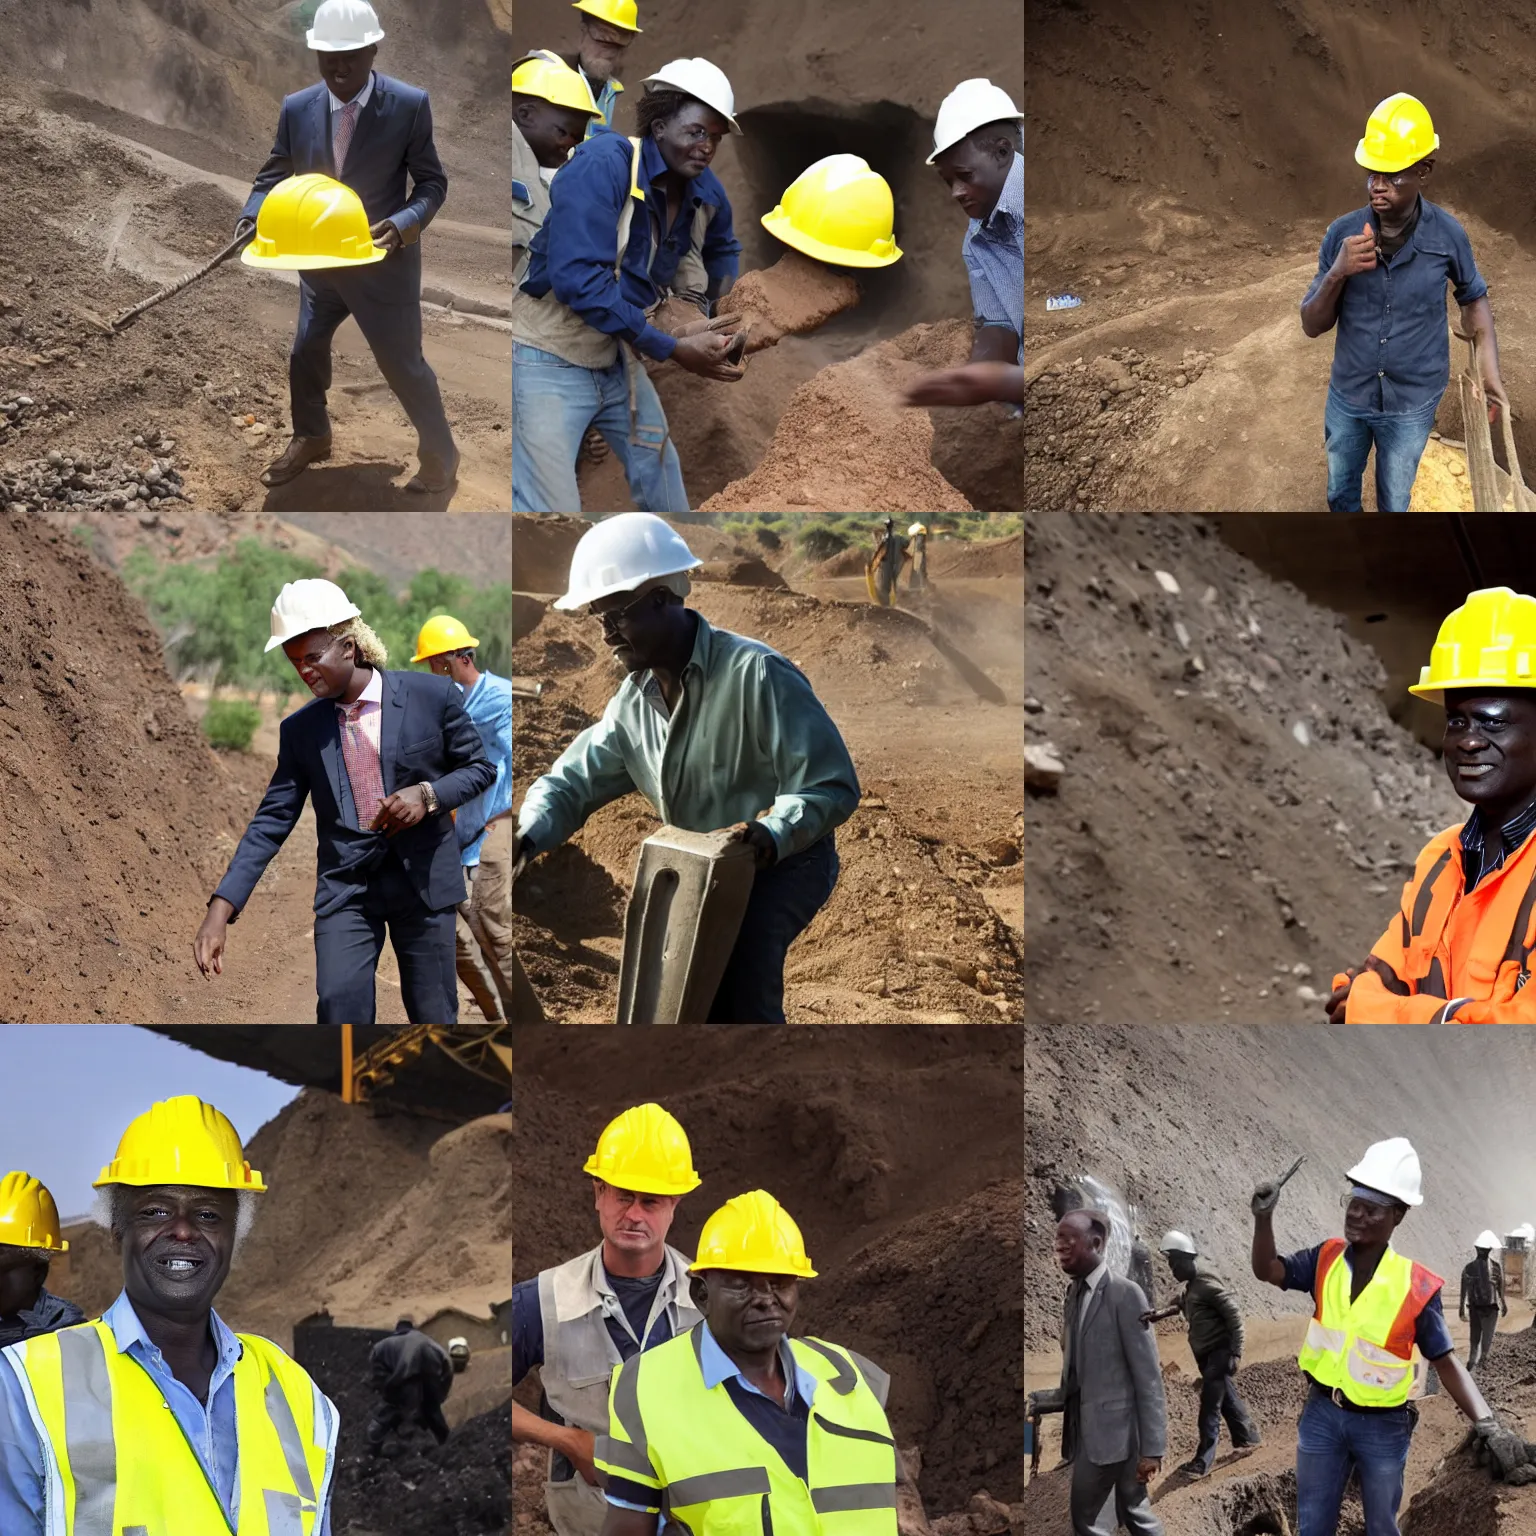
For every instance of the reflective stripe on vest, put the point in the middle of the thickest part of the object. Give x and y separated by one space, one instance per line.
661 1414
88 1402
1365 1347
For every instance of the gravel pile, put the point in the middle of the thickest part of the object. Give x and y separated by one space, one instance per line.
140 474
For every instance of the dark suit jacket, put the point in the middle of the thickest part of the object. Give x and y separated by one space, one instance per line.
393 136
424 734
1118 1411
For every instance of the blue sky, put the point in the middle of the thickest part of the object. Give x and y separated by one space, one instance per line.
68 1091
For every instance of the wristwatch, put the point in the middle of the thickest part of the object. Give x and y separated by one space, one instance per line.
428 791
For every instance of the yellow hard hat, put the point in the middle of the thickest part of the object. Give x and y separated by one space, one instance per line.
1489 642
617 13
28 1216
546 74
754 1233
309 222
840 211
1397 134
645 1150
181 1141
443 633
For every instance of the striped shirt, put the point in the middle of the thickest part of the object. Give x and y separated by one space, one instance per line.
994 258
1475 859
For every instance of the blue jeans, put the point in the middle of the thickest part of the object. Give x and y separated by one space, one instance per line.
784 899
1329 1441
1347 437
553 404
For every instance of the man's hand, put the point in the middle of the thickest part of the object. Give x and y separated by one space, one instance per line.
1509 1458
765 852
1334 1007
1265 1197
705 355
1148 1318
385 235
1148 1468
1493 389
974 384
208 946
402 809
1357 254
579 1450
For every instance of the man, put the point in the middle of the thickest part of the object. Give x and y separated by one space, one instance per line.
412 1375
29 1238
1373 1310
483 826
918 581
710 727
1114 1429
601 264
1381 276
978 149
552 106
884 566
737 1407
385 756
1482 1288
370 132
156 1417
579 1320
1216 1342
1459 949
608 27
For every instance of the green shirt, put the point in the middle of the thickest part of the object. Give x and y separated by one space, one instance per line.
748 735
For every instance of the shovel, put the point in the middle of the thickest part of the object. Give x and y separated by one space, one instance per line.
128 316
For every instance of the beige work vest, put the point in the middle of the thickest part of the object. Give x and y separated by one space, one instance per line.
554 327
579 1357
526 217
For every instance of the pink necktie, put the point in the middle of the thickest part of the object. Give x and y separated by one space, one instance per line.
342 139
362 761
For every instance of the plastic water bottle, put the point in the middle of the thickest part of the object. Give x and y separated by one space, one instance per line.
1063 301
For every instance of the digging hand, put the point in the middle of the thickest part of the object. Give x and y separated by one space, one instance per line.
522 856
728 324
208 946
400 810
765 852
385 235
705 355
580 1447
1357 254
1334 1007
1503 1452
973 384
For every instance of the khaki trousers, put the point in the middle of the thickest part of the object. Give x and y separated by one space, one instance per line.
483 928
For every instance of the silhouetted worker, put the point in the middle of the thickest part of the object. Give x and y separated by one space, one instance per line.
1482 1289
884 566
1216 1342
29 1238
413 1375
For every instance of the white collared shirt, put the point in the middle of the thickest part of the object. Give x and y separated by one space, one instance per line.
361 98
1090 1285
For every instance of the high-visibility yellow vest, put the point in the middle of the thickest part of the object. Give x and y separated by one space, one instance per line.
716 1475
1364 1348
116 1462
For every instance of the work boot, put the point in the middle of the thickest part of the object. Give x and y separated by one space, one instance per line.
1195 1470
433 476
300 453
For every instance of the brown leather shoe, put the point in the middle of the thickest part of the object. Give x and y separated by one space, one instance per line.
434 476
300 453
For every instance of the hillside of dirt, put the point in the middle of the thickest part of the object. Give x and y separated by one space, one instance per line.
1184 381
1238 810
924 923
809 82
899 1161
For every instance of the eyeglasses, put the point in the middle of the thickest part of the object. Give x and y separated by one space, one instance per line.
1400 180
617 616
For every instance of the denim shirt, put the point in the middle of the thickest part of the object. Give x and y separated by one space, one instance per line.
1392 351
489 705
210 1431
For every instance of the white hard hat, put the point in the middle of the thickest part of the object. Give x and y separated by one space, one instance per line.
342 25
309 604
700 78
621 553
916 528
459 1346
1486 1239
971 105
1177 1242
1392 1166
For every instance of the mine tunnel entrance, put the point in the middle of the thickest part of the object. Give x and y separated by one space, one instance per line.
781 140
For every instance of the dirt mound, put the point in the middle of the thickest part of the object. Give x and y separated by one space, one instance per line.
1463 1500
96 876
1229 736
750 572
984 558
795 294
847 444
904 1215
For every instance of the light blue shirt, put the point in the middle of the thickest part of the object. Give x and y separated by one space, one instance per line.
994 257
210 1431
748 732
799 1384
489 705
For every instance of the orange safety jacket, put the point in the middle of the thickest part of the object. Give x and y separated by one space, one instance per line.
1466 954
